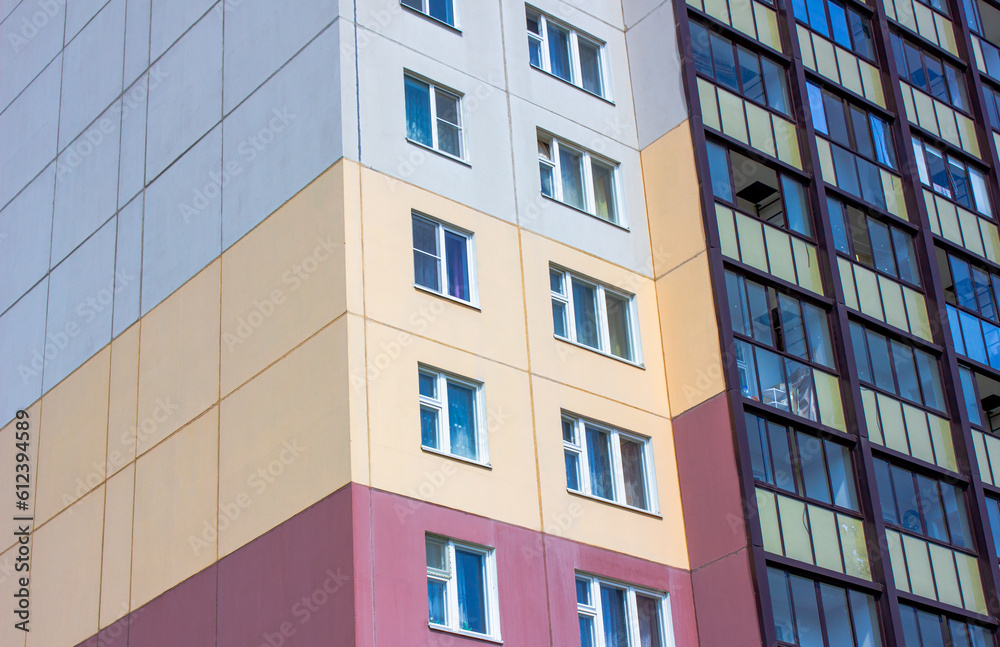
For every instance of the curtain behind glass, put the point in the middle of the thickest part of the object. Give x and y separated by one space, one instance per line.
649 621
590 68
618 329
559 55
571 166
461 416
604 192
635 479
585 313
418 111
471 591
457 262
599 450
615 623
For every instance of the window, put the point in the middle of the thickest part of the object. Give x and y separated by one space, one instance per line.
578 178
442 259
969 286
619 615
752 75
801 464
897 368
433 116
607 463
871 243
564 52
461 587
853 128
838 22
778 320
993 514
931 74
451 412
922 506
813 614
992 106
758 190
923 629
592 315
981 397
442 10
952 178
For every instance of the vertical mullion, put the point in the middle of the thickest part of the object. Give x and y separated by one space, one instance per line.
439 234
574 65
453 618
617 469
444 442
602 320
543 26
584 457
434 122
557 166
571 307
589 201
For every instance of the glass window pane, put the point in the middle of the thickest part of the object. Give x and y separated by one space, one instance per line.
861 353
571 167
962 282
775 85
437 554
599 453
836 211
883 479
462 418
583 591
573 471
441 9
817 108
979 193
428 385
878 351
801 391
930 629
725 63
811 460
836 120
807 624
426 263
938 172
604 191
838 459
471 580
614 616
935 78
585 314
781 605
969 396
861 34
817 16
449 138
556 282
534 51
649 621
456 249
862 136
796 209
865 620
418 111
718 166
906 257
429 428
818 332
436 605
954 510
838 23
906 500
586 631
760 455
993 512
911 633
569 431
702 52
958 182
885 152
634 470
590 67
930 380
981 285
792 327
559 323
784 477
881 247
906 372
738 316
750 77
414 4
760 313
930 504
747 370
559 55
838 619
774 391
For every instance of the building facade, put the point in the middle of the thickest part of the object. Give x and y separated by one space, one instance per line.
429 322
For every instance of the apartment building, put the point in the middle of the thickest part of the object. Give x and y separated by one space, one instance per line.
429 322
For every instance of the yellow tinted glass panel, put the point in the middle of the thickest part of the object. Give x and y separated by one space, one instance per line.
892 303
718 9
768 513
828 399
868 296
759 121
823 525
871 416
981 457
916 313
918 433
847 282
949 220
733 121
872 80
852 538
709 105
786 141
991 240
826 61
944 575
908 101
727 231
807 266
751 242
742 14
944 449
893 430
925 111
919 565
850 74
767 26
969 223
805 45
793 529
897 559
970 583
779 253
993 451
946 34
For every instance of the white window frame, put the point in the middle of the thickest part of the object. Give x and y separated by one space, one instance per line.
450 579
603 330
617 468
440 404
424 10
595 611
434 88
575 37
587 159
470 253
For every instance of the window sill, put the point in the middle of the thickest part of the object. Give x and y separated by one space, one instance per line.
465 634
426 16
579 210
443 154
438 452
622 506
456 300
638 365
572 85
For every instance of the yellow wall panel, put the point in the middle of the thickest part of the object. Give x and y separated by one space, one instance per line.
179 358
122 400
72 443
284 280
8 462
116 566
283 439
169 539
